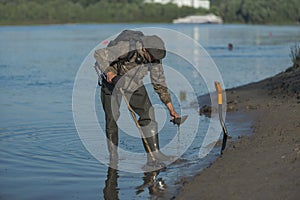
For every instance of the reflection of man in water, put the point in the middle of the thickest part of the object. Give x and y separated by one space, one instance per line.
155 186
124 63
111 191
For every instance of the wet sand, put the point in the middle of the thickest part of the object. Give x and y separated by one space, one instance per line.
266 164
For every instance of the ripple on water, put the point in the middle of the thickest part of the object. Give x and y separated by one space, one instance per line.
37 158
38 146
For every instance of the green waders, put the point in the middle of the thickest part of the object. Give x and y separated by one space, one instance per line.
142 106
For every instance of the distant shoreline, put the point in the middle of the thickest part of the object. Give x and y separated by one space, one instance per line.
140 23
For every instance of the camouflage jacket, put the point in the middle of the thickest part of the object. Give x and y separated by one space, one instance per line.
112 59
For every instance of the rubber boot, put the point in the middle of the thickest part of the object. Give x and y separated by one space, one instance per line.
156 154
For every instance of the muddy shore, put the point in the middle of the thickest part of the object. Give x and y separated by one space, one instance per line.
265 165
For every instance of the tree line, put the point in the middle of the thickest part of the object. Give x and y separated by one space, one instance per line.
89 11
135 11
258 11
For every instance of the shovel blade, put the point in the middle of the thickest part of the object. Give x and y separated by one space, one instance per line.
179 120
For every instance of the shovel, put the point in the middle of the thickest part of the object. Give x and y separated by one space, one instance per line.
225 132
179 120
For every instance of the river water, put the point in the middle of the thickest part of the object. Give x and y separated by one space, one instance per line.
41 154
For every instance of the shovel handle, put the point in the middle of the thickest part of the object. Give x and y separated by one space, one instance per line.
219 90
137 124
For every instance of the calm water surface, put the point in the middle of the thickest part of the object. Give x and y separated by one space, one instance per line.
41 155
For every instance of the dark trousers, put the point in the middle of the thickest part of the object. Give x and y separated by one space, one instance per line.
140 103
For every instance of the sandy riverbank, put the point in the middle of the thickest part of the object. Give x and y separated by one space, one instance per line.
265 165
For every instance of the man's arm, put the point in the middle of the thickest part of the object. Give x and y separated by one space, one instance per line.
158 80
172 111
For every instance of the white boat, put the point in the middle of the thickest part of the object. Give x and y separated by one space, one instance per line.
199 19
